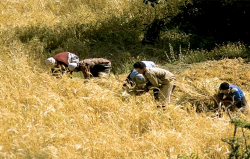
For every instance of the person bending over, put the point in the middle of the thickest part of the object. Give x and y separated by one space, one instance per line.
59 63
231 94
136 81
158 78
93 67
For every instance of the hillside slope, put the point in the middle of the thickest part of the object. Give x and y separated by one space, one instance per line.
45 117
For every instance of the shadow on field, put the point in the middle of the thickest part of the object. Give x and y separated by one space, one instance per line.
116 40
166 39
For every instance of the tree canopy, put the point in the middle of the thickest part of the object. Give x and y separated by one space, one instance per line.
211 22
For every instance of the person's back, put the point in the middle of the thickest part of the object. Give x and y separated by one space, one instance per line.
62 58
157 78
236 91
96 67
149 64
62 62
96 61
159 75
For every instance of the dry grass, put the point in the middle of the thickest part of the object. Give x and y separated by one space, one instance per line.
45 117
53 12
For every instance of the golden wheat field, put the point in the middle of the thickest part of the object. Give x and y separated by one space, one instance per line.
46 117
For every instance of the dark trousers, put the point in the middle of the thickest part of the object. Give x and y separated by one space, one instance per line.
242 103
97 69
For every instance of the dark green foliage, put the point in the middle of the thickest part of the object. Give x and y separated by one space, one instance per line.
202 25
214 22
153 31
235 145
239 147
171 38
240 123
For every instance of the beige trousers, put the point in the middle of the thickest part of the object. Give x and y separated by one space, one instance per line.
165 93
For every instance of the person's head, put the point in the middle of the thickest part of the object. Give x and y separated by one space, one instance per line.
72 66
51 62
224 87
140 67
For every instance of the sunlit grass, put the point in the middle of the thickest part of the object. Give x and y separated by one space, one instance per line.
42 116
49 13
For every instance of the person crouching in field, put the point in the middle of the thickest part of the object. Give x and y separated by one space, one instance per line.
158 78
60 62
135 82
231 94
93 67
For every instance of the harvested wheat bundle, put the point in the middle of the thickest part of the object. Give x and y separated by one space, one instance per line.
198 86
200 94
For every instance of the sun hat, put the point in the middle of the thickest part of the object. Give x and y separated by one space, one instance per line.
50 61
